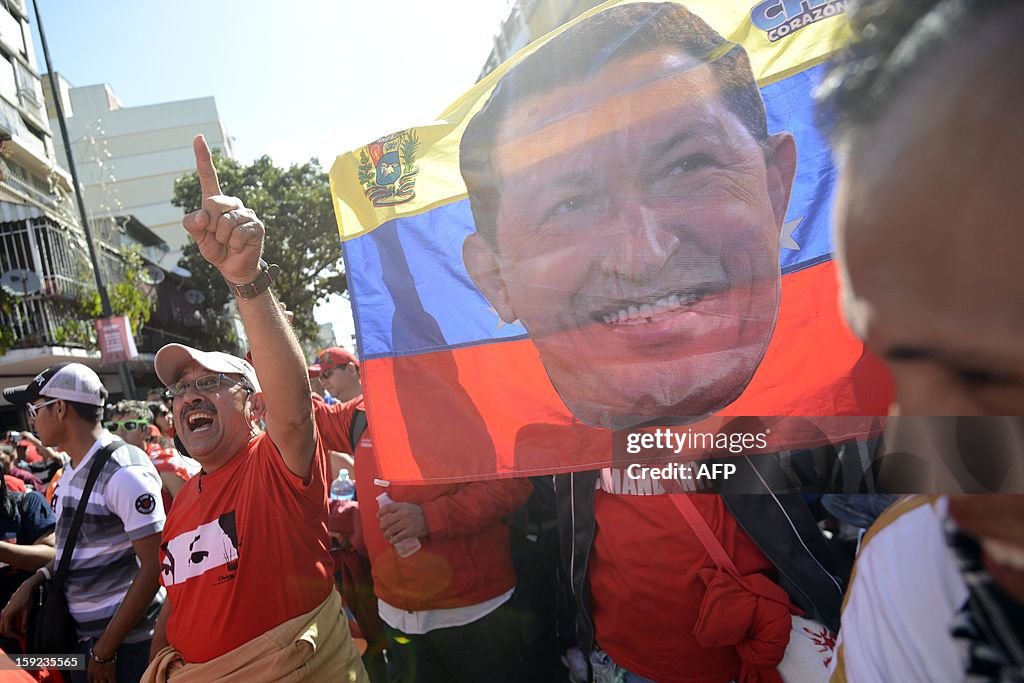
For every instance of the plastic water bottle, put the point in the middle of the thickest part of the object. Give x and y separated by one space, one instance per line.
343 488
408 546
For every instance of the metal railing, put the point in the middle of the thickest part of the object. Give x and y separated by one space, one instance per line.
20 185
50 313
52 310
43 321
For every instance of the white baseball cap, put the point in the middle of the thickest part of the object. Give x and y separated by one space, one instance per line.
66 381
172 358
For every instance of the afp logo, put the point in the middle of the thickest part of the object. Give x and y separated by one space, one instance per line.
781 18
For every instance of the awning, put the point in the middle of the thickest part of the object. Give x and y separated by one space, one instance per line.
10 211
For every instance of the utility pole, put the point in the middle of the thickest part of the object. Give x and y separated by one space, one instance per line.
128 386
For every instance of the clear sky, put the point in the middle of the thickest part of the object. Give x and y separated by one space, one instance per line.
293 79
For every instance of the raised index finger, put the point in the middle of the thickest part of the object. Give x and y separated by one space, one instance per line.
208 183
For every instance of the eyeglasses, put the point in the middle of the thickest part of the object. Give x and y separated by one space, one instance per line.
34 408
206 383
127 425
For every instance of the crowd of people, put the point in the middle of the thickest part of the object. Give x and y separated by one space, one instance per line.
211 546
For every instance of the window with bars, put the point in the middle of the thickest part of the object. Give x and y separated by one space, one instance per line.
56 254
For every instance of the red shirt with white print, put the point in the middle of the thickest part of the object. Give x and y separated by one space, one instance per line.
245 549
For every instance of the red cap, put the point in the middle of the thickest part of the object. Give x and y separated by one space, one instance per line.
336 357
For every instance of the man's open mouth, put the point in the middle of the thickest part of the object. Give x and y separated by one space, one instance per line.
198 419
639 313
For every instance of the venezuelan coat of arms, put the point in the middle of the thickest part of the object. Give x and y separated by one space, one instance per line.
387 169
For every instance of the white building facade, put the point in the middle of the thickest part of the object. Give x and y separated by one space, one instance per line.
44 264
128 158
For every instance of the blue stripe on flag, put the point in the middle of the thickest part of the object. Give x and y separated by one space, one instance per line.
790 107
412 293
419 297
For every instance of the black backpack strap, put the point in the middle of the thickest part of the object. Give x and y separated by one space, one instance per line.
356 428
100 459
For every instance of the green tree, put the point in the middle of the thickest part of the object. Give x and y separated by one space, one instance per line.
127 295
302 237
7 337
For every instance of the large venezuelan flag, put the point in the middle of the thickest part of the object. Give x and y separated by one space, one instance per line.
457 391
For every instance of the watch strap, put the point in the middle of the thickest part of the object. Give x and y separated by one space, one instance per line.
260 284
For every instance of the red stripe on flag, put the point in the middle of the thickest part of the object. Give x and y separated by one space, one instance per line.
814 365
489 411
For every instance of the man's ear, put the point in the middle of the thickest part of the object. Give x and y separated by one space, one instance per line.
484 267
780 161
258 405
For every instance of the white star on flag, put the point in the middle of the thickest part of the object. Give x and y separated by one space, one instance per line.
786 241
501 323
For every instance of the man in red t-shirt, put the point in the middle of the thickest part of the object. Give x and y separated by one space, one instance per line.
446 608
245 552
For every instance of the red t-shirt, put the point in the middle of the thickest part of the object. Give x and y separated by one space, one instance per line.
644 584
466 558
244 550
32 454
27 477
334 421
14 484
170 461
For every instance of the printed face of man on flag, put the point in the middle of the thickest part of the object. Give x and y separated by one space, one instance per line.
629 214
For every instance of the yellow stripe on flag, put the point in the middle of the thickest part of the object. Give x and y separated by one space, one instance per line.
416 170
